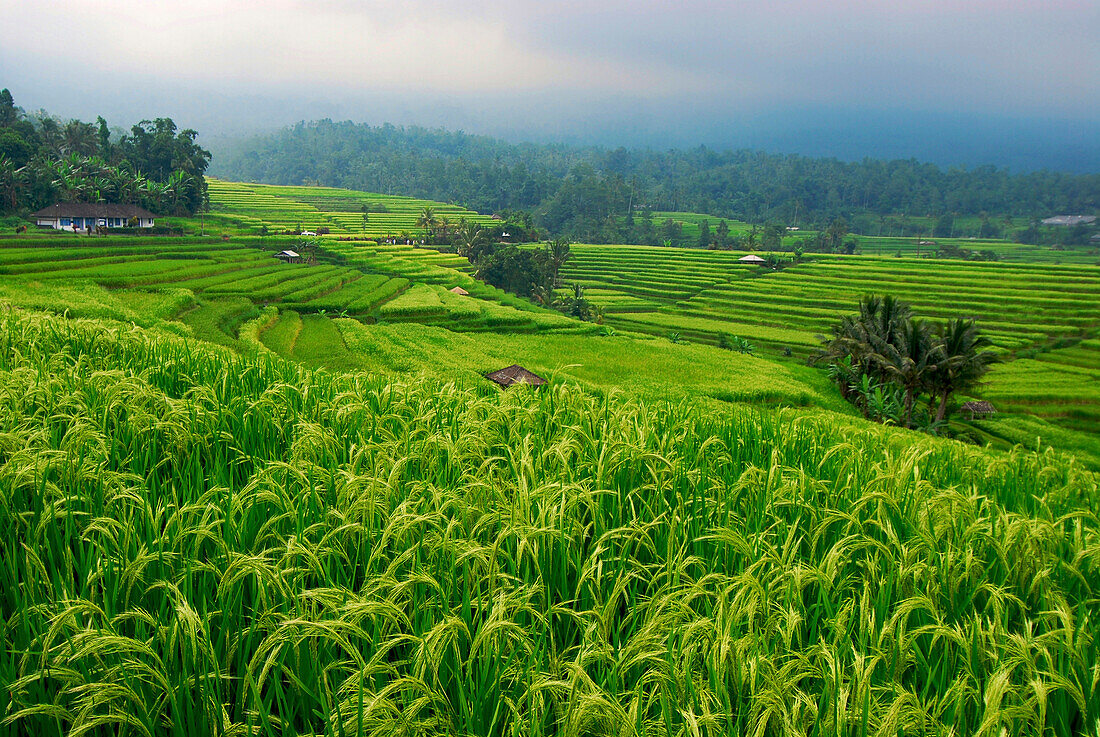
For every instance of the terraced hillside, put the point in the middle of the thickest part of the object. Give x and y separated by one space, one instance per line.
1045 316
230 279
255 206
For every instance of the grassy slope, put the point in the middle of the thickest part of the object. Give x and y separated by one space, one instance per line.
196 541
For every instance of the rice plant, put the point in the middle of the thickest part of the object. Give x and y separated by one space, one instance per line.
197 542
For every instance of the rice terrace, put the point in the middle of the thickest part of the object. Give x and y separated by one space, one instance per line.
811 466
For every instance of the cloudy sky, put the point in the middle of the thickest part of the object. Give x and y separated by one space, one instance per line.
647 71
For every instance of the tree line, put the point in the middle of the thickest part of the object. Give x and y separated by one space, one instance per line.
44 160
586 193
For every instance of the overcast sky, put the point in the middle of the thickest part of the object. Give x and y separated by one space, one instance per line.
590 66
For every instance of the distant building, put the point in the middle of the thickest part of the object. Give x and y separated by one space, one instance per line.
459 291
90 216
752 258
290 257
1070 220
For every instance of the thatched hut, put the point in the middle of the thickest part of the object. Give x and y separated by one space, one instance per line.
515 374
459 291
979 409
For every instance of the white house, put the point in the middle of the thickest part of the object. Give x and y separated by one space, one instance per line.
90 216
1070 220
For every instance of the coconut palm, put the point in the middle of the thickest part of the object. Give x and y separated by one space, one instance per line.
472 239
427 220
963 361
11 183
910 360
557 253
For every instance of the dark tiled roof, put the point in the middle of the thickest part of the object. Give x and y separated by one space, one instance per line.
515 374
93 210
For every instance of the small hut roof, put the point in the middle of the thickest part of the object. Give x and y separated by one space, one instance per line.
515 374
979 406
752 258
288 254
459 290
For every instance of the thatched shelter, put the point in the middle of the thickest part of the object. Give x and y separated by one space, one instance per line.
515 374
979 409
752 258
459 291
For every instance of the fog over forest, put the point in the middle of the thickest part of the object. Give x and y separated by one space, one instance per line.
1013 85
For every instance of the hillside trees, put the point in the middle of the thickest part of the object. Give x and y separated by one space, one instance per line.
884 349
586 192
43 161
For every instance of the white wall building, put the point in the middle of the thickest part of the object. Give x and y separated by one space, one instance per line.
87 217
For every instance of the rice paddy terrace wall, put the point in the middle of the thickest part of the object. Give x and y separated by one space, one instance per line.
356 279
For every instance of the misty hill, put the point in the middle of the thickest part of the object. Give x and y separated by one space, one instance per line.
579 190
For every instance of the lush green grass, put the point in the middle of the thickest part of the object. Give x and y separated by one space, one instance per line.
654 368
194 542
253 207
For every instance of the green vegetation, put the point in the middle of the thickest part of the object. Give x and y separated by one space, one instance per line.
261 209
1045 313
591 195
197 542
242 496
43 161
884 359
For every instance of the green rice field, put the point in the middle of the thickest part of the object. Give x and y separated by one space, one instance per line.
200 542
246 497
358 278
1047 314
252 207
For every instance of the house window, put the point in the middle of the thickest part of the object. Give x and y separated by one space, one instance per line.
66 221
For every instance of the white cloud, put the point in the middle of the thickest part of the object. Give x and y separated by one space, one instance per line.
942 54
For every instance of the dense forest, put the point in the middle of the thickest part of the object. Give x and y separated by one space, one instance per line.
44 160
586 192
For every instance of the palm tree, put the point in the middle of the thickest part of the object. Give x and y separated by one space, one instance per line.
557 253
963 362
11 182
910 360
427 220
472 239
869 335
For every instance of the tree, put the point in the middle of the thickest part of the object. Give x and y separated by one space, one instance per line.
103 136
773 236
11 182
427 220
963 361
909 359
722 234
834 234
557 253
472 241
704 235
8 112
